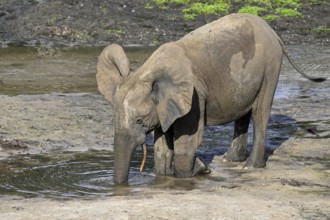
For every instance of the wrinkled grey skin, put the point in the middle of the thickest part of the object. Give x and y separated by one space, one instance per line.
224 71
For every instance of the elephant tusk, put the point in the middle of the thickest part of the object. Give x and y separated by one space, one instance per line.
144 146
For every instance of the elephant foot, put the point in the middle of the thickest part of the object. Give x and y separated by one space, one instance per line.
236 154
200 167
250 163
187 166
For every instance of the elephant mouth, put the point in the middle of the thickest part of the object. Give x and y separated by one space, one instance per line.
144 148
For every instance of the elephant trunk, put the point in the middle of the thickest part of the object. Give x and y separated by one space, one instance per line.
123 150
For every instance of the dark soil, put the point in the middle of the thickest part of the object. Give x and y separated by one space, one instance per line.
129 22
12 144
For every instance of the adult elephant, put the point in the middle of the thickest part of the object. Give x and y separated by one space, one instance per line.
224 71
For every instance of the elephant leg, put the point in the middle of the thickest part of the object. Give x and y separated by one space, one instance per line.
183 164
163 148
237 151
185 146
256 158
260 114
186 164
188 135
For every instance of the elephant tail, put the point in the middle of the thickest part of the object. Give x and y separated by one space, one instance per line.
287 55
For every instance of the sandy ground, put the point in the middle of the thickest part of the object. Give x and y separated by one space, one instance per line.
75 122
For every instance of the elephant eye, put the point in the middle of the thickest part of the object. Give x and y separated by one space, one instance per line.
155 87
139 121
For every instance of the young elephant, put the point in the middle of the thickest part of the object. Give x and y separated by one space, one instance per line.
224 71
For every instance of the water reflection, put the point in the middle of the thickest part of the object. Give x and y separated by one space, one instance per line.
68 175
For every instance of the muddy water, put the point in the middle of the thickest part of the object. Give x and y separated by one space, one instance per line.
49 70
29 74
67 174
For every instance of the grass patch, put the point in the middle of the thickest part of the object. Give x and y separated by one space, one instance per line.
148 6
203 9
290 3
254 10
270 10
322 29
266 3
287 12
184 2
270 18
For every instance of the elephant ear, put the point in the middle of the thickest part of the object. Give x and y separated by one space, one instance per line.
170 78
112 66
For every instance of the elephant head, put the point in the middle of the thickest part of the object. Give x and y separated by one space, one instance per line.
156 94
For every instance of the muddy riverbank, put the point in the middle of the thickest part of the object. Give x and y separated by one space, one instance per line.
41 116
97 23
291 187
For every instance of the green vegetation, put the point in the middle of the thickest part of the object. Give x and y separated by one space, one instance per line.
258 2
202 8
116 31
255 10
285 3
270 10
287 12
318 1
173 1
322 30
271 18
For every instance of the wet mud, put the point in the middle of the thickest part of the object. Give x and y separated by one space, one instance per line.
56 135
131 22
